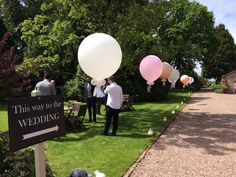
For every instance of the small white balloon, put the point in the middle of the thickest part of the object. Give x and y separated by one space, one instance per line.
174 76
99 56
101 83
98 83
93 82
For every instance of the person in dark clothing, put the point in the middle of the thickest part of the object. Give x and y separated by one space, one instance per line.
79 172
57 88
90 99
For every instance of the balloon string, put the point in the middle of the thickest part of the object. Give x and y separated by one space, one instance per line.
164 83
172 85
149 87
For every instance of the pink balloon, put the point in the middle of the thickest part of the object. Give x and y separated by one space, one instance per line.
191 80
167 70
151 68
185 79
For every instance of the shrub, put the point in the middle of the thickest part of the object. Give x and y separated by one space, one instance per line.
218 88
20 163
158 91
72 90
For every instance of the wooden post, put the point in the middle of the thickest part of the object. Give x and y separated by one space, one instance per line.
39 156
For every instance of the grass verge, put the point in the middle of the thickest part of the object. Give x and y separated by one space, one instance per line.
110 155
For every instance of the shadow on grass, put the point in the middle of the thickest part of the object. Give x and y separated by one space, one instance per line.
3 107
133 124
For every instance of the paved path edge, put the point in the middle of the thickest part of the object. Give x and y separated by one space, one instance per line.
144 153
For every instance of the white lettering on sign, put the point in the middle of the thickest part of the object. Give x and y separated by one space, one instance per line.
20 109
41 132
38 108
38 120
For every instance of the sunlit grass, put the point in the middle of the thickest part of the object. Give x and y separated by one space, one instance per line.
110 155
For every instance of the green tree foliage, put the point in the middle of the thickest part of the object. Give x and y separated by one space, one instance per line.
185 33
53 37
14 12
224 59
178 31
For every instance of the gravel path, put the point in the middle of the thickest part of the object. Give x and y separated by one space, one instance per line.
200 142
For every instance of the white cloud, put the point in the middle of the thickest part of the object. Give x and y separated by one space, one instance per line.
224 11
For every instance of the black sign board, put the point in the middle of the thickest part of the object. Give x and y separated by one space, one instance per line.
34 119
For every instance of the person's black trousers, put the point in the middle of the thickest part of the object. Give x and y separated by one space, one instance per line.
91 102
110 112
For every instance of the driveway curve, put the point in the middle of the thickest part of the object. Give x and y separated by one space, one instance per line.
201 142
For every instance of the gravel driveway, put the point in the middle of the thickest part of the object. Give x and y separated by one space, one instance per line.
200 142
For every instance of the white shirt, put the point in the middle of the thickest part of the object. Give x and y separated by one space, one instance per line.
98 92
115 96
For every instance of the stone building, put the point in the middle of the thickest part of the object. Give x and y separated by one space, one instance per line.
230 78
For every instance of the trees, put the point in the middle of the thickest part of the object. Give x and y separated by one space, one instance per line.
53 37
224 58
185 33
178 31
11 82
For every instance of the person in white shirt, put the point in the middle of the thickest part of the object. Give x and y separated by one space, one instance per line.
45 87
114 102
99 95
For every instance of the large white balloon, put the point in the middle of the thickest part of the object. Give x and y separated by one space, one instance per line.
99 56
174 76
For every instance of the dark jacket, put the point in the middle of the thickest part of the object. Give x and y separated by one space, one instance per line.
86 93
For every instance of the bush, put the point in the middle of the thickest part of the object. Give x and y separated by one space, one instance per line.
20 163
158 91
218 88
72 90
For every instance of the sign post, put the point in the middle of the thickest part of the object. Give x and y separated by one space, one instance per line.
33 120
39 156
39 159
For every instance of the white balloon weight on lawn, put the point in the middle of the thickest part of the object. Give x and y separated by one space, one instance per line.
99 56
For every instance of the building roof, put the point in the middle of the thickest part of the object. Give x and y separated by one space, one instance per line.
234 71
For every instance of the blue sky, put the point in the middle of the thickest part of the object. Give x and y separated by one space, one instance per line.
224 11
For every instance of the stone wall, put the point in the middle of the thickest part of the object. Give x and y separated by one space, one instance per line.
230 77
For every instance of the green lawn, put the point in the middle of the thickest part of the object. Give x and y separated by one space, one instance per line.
3 118
108 154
